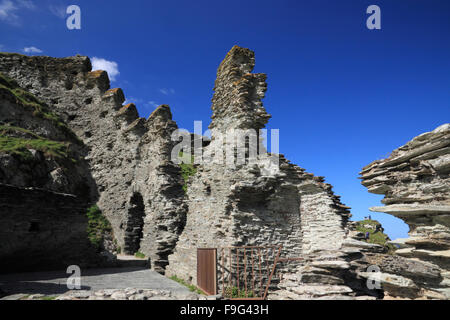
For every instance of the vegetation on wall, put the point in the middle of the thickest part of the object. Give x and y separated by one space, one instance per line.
21 146
187 169
28 100
139 255
98 226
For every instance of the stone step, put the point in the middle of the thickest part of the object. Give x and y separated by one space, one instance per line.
124 261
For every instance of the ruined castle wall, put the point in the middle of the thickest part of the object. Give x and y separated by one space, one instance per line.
324 217
123 150
251 204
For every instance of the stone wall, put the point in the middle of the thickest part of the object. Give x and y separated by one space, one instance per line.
35 236
127 156
416 184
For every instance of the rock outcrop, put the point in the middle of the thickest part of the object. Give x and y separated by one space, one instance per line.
133 181
416 184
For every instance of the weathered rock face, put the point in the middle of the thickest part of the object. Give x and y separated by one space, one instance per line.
37 148
416 184
44 187
249 204
134 183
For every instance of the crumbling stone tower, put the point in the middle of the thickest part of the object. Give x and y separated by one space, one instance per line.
249 204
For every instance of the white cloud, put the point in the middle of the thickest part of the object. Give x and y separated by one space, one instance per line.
59 11
109 66
28 4
167 91
153 104
141 103
32 50
134 100
9 9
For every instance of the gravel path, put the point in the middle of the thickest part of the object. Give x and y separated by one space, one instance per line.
54 283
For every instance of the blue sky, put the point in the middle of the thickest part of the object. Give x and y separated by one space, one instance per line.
341 95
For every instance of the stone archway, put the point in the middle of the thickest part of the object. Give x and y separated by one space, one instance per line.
135 224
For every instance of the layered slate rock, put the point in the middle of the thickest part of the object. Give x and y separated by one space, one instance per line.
134 183
250 204
416 184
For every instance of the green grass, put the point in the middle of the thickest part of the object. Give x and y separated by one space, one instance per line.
7 81
48 298
377 237
187 169
191 287
8 129
234 292
139 255
11 54
28 100
98 225
20 147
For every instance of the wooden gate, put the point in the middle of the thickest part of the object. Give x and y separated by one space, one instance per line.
207 270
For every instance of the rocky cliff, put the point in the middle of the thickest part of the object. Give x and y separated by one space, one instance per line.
132 180
416 184
44 187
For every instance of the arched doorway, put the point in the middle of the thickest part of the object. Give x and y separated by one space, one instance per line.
135 224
